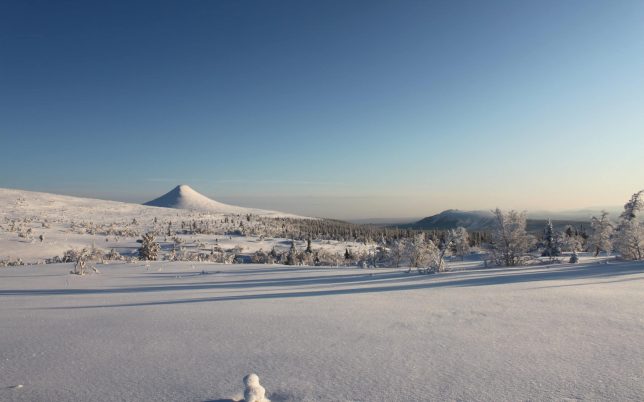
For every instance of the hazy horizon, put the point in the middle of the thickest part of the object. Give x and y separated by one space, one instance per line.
349 110
363 209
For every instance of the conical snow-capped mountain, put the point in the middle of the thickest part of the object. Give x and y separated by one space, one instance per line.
184 197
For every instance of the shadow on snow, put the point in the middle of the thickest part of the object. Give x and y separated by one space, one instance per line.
364 283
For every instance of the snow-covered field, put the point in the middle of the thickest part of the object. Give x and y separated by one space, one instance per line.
170 331
74 223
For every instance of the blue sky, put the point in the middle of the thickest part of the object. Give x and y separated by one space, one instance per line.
347 109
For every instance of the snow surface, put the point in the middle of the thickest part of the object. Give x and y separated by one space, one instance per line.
191 331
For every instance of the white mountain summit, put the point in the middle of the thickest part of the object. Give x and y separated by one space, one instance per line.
184 197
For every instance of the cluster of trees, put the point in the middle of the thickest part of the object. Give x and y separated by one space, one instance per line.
423 251
511 243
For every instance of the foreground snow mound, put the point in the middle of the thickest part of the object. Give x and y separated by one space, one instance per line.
254 392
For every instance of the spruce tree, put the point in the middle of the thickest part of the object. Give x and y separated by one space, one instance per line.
149 248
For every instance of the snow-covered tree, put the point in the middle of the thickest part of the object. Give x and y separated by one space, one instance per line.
509 239
425 255
572 241
398 252
149 249
630 234
551 241
460 242
417 251
601 232
573 257
292 254
434 257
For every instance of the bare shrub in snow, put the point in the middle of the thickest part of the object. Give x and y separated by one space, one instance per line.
253 391
25 233
82 258
330 259
509 239
113 255
12 263
260 257
70 255
81 262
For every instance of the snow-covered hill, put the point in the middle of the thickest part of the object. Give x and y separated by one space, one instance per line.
184 197
453 218
484 221
66 222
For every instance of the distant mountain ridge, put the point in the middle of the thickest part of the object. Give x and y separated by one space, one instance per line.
484 220
453 218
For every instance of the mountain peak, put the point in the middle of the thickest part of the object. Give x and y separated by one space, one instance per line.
185 197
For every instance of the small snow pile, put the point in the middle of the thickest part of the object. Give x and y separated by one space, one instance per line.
254 392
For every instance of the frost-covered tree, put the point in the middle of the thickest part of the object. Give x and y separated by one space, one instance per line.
601 233
292 254
630 234
509 240
398 252
435 257
424 255
551 241
572 241
417 251
573 257
460 242
149 249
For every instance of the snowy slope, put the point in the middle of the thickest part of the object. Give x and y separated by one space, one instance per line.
73 222
190 332
184 197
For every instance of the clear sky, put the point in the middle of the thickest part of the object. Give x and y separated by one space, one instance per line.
347 109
